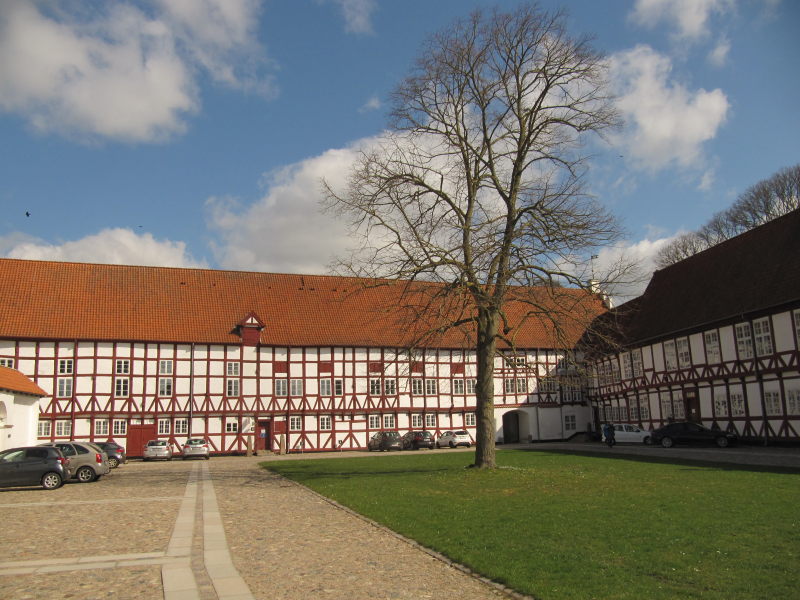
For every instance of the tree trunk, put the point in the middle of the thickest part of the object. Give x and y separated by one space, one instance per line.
487 341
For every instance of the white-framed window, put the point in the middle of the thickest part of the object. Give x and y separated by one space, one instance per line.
634 410
522 385
678 408
471 385
390 387
430 420
375 387
163 427
325 423
165 386
120 427
64 387
744 340
713 355
792 401
123 367
295 423
623 413
296 387
508 385
625 359
548 386
416 421
684 352
101 427
458 387
374 421
44 428
796 315
66 366
431 387
122 387
325 387
636 362
63 428
181 426
232 369
570 423
737 404
338 387
388 422
165 367
721 403
469 419
666 405
231 387
416 386
615 413
281 387
670 357
763 334
571 392
231 427
644 409
7 362
772 403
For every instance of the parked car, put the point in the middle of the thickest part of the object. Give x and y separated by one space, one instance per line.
115 453
418 439
34 465
196 448
155 449
692 433
454 438
385 440
630 434
88 461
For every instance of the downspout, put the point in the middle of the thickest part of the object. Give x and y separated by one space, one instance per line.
191 387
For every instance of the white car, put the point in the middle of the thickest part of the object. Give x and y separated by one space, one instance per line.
157 449
630 434
454 438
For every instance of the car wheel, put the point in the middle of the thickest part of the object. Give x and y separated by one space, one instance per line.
85 475
722 442
437 445
667 442
113 463
51 481
207 457
452 444
647 441
170 458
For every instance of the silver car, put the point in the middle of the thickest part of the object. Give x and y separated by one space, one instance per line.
454 438
156 449
196 448
88 462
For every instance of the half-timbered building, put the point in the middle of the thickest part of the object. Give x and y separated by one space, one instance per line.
264 361
714 338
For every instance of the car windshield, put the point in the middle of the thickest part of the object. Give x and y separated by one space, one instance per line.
195 442
156 443
460 433
392 435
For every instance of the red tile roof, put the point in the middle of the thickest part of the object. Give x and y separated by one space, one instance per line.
58 300
14 381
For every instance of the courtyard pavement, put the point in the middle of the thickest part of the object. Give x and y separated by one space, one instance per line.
226 529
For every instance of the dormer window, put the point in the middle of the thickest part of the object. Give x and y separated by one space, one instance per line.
249 329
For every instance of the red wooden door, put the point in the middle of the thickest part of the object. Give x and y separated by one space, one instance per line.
263 442
138 436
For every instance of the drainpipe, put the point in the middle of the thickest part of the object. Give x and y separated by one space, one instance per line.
191 387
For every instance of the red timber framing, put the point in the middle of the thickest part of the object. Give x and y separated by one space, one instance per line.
328 398
731 391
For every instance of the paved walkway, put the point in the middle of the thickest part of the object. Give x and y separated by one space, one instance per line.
221 529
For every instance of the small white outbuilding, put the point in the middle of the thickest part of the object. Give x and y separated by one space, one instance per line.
19 409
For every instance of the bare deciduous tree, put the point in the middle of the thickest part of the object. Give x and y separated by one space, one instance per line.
759 204
477 185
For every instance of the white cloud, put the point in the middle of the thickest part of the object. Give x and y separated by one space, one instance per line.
688 17
641 253
110 246
666 123
357 15
373 103
116 72
706 181
719 55
284 231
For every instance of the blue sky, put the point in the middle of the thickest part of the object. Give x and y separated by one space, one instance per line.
195 132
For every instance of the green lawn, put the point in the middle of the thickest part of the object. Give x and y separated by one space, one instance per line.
565 526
